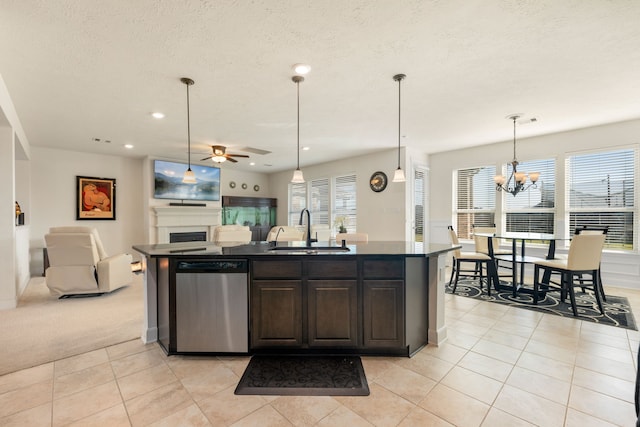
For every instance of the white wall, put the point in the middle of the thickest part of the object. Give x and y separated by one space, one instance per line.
384 216
618 268
53 201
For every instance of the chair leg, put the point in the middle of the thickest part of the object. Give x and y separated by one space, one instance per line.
453 271
600 286
455 283
596 290
568 280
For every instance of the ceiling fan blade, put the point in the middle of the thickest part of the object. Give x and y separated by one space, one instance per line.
206 158
231 160
238 155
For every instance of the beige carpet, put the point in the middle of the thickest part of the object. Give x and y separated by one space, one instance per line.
43 328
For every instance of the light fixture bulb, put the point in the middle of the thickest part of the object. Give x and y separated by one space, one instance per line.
301 69
398 176
298 178
157 115
189 177
218 159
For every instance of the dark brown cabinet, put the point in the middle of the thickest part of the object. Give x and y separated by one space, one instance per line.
276 313
383 317
328 302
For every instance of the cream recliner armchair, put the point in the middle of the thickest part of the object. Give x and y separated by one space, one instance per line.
78 263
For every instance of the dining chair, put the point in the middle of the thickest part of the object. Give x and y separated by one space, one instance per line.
590 229
584 256
501 256
478 259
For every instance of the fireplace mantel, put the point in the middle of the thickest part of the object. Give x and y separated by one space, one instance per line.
177 219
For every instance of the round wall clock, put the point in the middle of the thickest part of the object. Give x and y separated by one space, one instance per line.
378 181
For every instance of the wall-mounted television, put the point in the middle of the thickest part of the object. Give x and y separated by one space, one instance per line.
169 185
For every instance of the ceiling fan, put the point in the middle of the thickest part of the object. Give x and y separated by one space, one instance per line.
220 155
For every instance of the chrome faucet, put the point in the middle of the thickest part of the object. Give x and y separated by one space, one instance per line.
275 241
309 239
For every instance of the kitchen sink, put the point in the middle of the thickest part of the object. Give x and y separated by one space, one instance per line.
309 249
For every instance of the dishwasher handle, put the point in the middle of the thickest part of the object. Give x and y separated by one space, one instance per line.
213 266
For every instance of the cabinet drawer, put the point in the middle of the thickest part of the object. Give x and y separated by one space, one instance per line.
276 268
321 269
383 269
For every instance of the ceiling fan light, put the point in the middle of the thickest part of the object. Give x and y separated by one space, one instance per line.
398 176
298 178
189 177
218 159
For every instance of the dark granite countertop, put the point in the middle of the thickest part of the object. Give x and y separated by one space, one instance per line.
207 249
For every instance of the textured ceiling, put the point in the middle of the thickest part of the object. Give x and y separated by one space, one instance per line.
85 69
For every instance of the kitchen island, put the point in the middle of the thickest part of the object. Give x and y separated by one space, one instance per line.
383 298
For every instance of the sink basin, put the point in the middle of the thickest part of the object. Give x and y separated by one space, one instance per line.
310 249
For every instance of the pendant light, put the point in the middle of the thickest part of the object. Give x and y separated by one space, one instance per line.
398 176
189 176
298 178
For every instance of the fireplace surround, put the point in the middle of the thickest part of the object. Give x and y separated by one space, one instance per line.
185 219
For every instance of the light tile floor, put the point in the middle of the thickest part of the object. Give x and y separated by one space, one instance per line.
501 366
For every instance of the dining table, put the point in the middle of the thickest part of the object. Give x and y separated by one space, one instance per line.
518 258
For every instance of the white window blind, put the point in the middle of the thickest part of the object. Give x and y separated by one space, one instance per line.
475 200
601 190
297 201
419 197
533 210
344 202
319 205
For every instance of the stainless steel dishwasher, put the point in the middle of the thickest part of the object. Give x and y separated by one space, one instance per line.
212 306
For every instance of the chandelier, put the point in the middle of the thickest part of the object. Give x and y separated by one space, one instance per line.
517 181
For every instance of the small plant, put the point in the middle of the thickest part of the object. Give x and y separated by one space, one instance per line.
339 224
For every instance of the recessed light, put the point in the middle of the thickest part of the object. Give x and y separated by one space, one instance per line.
252 163
301 68
158 115
306 148
128 146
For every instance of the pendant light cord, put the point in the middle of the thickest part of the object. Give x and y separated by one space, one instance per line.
298 124
188 129
399 109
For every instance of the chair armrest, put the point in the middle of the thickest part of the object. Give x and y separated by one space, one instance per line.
114 272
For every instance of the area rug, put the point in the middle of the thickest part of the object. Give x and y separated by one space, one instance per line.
617 310
304 376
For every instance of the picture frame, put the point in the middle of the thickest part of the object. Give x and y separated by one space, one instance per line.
95 198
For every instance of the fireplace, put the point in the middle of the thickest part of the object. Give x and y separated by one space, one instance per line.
189 236
184 219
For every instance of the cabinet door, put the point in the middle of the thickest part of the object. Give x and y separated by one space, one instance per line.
276 313
383 315
333 313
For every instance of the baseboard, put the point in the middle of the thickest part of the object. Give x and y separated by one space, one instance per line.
149 335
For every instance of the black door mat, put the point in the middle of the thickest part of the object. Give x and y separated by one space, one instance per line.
304 376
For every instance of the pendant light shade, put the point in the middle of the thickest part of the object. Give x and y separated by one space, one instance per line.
189 177
398 176
298 178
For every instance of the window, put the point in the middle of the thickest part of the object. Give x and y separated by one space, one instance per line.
344 201
320 201
476 199
326 206
600 191
297 201
533 210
